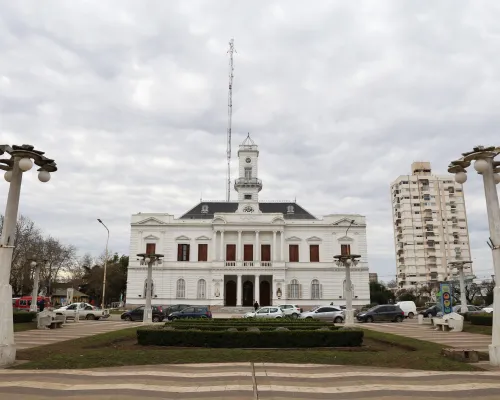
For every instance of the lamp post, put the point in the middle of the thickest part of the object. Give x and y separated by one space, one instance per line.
105 265
149 260
347 261
485 165
21 160
36 280
459 265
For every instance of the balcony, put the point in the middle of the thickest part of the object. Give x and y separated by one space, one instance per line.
248 183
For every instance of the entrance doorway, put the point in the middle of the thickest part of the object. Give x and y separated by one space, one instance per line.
230 294
265 294
248 294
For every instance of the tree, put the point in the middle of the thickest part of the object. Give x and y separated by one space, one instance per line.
472 290
487 291
379 294
406 295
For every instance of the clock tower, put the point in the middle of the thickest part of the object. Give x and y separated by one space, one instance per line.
248 185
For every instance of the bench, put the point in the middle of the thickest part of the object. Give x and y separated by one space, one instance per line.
439 324
449 323
57 322
49 319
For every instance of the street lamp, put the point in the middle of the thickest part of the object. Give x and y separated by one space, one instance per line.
485 165
460 265
105 265
36 279
149 260
346 261
21 160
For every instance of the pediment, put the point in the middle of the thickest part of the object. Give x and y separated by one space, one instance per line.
314 239
218 220
294 239
151 237
150 221
182 237
278 220
203 238
345 239
344 222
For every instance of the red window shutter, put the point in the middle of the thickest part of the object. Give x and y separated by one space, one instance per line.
345 249
202 252
294 252
179 252
150 248
187 251
314 252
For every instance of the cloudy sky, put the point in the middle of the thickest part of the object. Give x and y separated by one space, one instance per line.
130 99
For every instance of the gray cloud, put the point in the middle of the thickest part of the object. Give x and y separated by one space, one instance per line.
131 100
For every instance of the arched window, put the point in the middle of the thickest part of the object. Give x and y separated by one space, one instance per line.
202 289
315 290
294 289
146 288
181 289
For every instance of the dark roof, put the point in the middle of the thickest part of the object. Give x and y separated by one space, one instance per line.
231 207
63 293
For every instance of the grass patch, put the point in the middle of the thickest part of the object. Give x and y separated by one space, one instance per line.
25 326
120 348
481 329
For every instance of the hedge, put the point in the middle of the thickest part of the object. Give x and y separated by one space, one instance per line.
247 320
481 319
243 328
265 339
22 317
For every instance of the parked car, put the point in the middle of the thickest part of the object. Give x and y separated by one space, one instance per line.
328 313
191 312
387 312
85 311
291 310
174 308
408 307
265 312
138 314
430 312
488 309
470 309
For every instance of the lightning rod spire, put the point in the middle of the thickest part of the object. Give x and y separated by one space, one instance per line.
229 117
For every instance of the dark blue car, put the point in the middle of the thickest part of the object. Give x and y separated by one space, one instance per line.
191 312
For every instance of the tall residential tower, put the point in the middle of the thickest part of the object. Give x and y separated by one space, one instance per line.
430 226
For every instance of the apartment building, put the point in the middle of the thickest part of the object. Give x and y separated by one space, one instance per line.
430 226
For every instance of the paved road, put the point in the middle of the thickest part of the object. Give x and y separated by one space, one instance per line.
412 329
70 330
247 381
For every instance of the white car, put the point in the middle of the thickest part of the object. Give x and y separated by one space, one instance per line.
488 309
329 313
265 312
290 310
85 311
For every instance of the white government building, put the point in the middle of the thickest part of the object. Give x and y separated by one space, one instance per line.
229 254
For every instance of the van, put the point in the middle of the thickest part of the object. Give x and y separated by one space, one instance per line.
24 303
408 307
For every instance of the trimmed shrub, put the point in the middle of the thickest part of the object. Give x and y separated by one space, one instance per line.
245 327
242 339
23 317
481 319
247 320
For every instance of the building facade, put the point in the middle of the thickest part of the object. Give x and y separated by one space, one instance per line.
430 226
231 254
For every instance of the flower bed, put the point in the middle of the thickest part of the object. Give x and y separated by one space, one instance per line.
319 337
23 317
481 319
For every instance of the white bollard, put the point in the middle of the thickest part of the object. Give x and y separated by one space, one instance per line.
420 319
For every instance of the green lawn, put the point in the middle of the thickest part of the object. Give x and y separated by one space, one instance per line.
120 348
481 329
25 326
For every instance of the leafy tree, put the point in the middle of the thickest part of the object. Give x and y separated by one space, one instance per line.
406 295
379 294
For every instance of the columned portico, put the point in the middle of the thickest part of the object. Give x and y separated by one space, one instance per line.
257 247
238 292
282 234
257 288
243 290
273 250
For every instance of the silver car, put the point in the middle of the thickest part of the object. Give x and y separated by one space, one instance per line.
328 313
265 312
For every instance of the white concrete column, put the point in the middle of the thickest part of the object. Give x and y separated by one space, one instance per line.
257 247
7 345
493 209
222 253
349 313
463 297
273 250
34 294
238 292
239 249
214 246
257 288
282 233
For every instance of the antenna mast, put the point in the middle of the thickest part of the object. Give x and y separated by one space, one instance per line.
229 117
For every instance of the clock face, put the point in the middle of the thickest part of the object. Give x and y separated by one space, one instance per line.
248 209
248 160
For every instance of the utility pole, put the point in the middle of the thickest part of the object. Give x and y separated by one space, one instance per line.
231 51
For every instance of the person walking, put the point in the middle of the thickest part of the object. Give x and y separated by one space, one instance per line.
256 305
42 304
